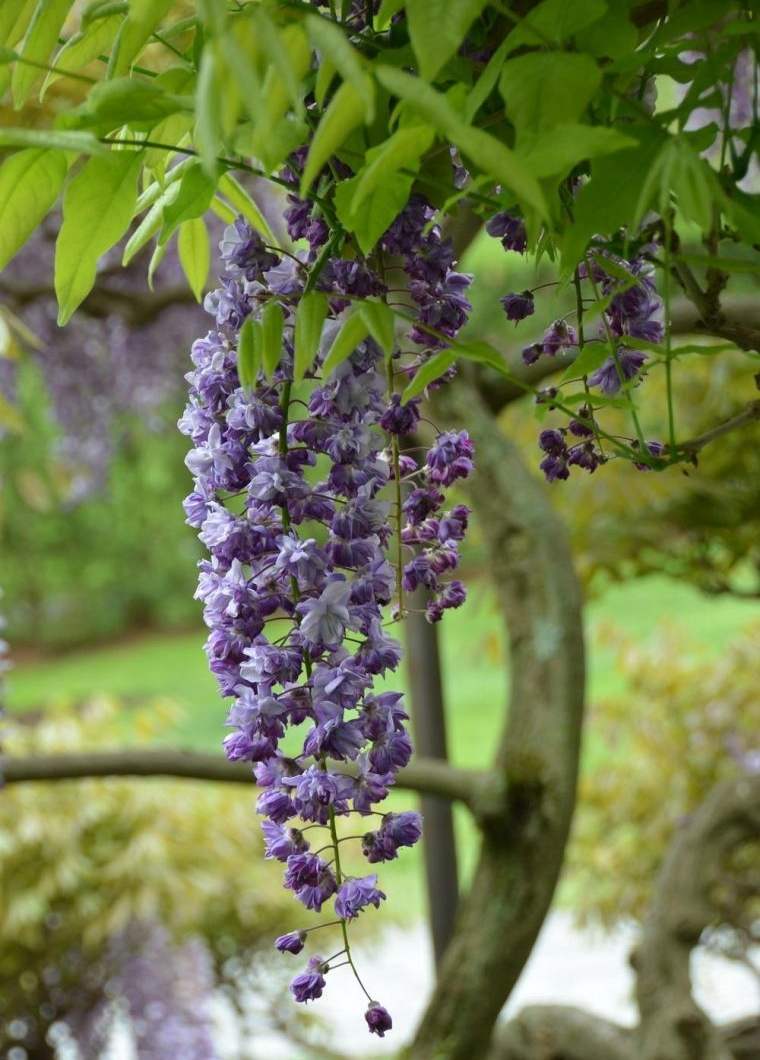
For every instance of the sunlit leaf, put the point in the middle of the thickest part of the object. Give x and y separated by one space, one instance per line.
98 205
194 254
29 185
310 316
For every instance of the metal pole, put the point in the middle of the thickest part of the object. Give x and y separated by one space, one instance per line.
429 723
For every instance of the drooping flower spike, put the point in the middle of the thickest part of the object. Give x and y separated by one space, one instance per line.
316 525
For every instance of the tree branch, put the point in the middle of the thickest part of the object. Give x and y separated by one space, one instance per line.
425 775
523 842
561 1032
672 1024
748 415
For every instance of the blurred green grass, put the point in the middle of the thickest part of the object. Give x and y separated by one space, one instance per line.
475 676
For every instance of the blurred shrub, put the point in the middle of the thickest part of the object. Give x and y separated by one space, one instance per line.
683 724
96 874
120 559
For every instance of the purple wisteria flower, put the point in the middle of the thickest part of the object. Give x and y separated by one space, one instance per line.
378 1019
518 306
295 502
355 895
308 986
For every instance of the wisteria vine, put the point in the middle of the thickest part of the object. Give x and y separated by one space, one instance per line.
319 518
630 319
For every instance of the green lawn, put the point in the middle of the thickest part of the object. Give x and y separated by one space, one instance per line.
475 679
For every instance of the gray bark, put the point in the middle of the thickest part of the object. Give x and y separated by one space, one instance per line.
673 1026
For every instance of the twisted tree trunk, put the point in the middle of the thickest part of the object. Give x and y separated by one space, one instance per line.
672 1027
525 827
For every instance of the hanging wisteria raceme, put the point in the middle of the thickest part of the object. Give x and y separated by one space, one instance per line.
630 316
318 522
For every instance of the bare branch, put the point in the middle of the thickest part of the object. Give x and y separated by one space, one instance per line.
748 415
423 775
561 1032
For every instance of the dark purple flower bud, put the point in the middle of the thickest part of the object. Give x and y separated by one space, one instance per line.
581 428
554 467
518 306
531 353
308 986
276 805
419 572
510 230
355 895
421 503
378 1019
450 457
302 869
398 418
584 456
552 441
293 942
560 336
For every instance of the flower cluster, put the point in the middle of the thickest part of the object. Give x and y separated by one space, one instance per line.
631 309
289 499
438 290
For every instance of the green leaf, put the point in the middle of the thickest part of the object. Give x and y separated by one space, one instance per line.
437 28
15 16
402 150
244 204
555 21
272 324
694 184
158 255
588 360
557 151
333 45
545 89
97 207
208 102
376 212
82 48
29 185
325 76
353 331
192 199
144 16
484 150
127 101
380 323
81 142
310 316
344 113
431 370
388 9
610 198
279 49
482 353
194 254
208 122
275 132
610 36
486 83
39 41
249 353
